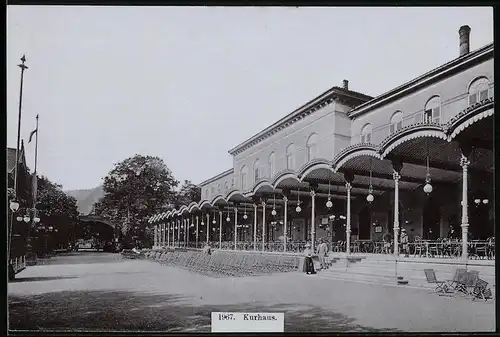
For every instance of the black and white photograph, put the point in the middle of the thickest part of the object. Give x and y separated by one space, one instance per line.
250 169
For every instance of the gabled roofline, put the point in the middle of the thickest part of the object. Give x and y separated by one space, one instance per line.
432 75
220 175
327 95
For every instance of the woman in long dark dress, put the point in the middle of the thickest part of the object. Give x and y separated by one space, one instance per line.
308 261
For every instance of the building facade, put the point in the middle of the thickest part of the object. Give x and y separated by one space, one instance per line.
349 167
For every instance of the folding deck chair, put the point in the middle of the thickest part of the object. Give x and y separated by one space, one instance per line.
441 286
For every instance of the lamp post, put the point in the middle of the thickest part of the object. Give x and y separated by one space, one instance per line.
14 205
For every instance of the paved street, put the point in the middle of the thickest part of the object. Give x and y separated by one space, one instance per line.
93 291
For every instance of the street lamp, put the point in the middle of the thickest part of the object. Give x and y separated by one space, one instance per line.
14 206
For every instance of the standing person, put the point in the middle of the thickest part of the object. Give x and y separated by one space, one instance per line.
322 253
308 261
387 243
404 241
207 249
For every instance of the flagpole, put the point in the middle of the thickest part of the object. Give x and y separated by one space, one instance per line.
36 143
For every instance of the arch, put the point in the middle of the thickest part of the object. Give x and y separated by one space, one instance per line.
478 89
366 134
217 198
169 214
256 170
262 184
354 151
182 208
432 110
311 147
409 133
232 193
96 219
192 206
271 164
290 156
205 203
396 121
243 177
469 116
312 166
285 174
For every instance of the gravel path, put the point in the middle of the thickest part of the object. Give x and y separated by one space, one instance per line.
100 291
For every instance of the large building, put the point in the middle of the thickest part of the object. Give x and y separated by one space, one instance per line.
348 167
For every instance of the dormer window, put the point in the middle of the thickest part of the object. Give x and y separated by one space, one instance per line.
366 134
396 121
478 90
432 111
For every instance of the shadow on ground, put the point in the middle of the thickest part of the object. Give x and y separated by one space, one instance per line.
103 310
34 279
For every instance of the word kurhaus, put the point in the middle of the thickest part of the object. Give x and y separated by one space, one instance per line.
248 317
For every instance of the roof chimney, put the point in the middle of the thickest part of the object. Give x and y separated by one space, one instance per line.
346 85
464 33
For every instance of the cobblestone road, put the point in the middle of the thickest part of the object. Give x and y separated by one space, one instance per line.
95 291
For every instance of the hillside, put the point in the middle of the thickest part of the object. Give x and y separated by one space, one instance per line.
85 199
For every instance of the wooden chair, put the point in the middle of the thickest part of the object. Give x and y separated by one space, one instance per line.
456 284
480 290
441 286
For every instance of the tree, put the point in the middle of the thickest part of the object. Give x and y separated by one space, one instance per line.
134 190
188 193
53 202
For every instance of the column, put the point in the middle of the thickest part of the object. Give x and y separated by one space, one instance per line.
208 226
396 178
464 162
186 232
348 215
155 240
235 227
254 226
168 234
285 215
220 229
162 235
313 219
179 223
263 225
196 232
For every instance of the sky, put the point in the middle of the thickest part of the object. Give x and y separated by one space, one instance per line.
187 84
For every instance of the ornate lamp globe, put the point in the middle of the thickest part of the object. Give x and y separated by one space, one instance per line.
369 197
486 201
428 188
192 225
273 212
298 209
332 217
329 203
26 219
14 206
214 222
228 219
202 223
477 201
19 218
245 216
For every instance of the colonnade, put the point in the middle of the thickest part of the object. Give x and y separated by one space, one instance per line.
164 234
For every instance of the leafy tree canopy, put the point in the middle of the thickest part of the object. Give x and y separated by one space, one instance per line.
135 189
51 200
188 193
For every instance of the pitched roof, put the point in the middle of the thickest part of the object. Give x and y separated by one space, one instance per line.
11 158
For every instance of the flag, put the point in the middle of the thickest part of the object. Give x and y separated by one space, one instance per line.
32 133
34 186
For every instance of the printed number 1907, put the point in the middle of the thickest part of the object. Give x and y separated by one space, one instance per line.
226 317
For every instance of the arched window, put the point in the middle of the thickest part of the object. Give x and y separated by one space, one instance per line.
271 164
243 178
432 111
311 147
290 154
396 121
218 188
256 169
478 90
212 190
226 185
366 133
206 193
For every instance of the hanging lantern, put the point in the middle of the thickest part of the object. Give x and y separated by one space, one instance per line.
477 201
192 225
369 197
228 218
26 218
214 222
298 209
329 203
245 216
332 217
427 186
19 218
273 212
202 223
486 201
14 206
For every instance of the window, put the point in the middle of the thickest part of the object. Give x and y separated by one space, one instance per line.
478 90
256 169
243 177
206 193
212 190
366 133
432 111
218 188
226 186
396 121
311 147
290 162
271 164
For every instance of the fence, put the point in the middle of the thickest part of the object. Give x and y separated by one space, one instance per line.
18 263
